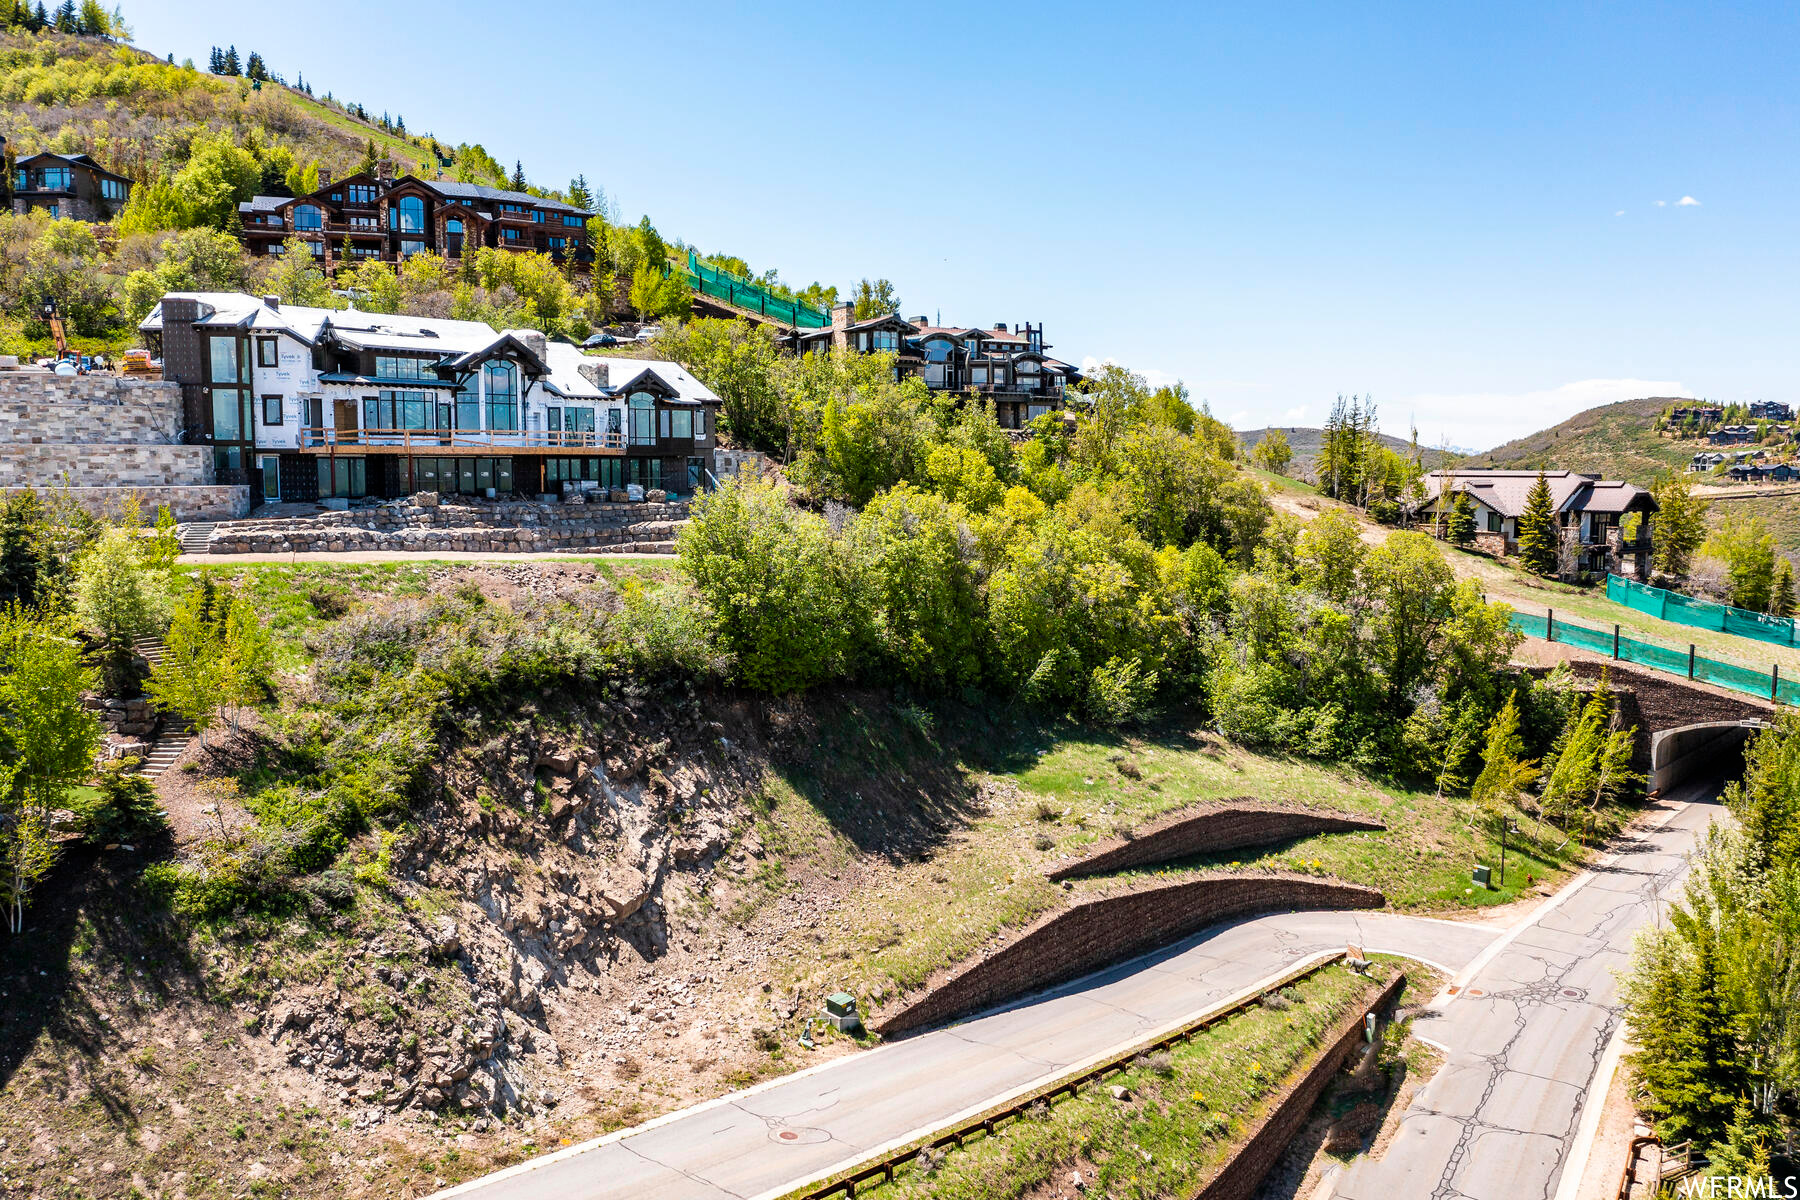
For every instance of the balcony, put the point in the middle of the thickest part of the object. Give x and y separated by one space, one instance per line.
316 439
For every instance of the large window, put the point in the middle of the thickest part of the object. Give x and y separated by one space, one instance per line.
226 425
579 423
112 189
407 215
575 222
395 366
362 193
309 216
224 353
453 238
502 379
677 423
56 179
468 404
884 339
399 410
410 247
643 419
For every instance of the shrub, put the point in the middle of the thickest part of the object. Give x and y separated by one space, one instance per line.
126 808
1119 692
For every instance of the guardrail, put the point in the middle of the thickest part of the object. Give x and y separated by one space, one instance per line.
882 1168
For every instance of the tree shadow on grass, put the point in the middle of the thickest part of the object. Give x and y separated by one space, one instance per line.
90 934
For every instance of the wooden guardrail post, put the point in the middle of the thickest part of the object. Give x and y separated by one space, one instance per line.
1549 624
1615 642
1775 682
1690 660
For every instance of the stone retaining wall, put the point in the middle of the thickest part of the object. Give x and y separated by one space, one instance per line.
1211 829
250 537
90 465
427 512
88 410
189 502
1101 930
1243 1172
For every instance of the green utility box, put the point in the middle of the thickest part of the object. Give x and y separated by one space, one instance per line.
840 1010
1479 876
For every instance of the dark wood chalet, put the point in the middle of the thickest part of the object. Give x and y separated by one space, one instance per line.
69 186
375 216
1008 367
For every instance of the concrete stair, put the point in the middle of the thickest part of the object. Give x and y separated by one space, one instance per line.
176 733
196 536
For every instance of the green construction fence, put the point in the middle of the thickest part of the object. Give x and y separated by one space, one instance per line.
1702 614
1769 685
751 297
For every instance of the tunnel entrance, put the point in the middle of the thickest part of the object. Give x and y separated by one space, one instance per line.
1688 752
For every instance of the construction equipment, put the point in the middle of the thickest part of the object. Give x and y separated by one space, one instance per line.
139 363
56 331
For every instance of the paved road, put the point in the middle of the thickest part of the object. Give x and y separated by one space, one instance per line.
1526 1035
765 1140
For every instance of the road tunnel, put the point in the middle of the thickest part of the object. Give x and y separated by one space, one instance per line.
1711 749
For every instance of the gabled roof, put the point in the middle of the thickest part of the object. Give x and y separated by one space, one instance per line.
622 373
506 344
455 189
264 204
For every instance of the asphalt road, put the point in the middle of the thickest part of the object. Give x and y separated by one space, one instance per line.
1525 1037
765 1140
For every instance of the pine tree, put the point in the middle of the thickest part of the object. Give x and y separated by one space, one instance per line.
232 66
518 176
1538 534
216 62
65 17
255 68
579 195
1461 530
93 21
371 159
1781 599
40 18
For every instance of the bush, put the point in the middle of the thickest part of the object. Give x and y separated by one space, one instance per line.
1119 692
126 809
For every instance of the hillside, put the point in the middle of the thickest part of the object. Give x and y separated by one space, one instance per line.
1614 441
1305 443
140 116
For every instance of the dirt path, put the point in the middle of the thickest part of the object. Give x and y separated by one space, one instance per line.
377 556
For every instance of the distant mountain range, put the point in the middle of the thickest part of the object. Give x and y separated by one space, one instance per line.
1305 442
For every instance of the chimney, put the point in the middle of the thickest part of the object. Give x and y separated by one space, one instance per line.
999 326
384 170
325 177
840 322
595 371
534 340
921 320
273 302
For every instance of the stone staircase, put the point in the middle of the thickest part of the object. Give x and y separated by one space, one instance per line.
176 733
196 537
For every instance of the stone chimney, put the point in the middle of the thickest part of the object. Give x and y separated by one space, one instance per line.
384 170
595 371
273 302
840 322
325 177
534 340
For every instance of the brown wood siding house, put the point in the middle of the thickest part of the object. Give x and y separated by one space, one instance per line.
67 186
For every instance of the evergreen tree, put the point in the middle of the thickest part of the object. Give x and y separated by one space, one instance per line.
1504 775
1679 526
579 194
399 123
518 176
232 66
40 18
1538 534
66 21
93 21
371 159
1781 601
255 68
1461 529
216 62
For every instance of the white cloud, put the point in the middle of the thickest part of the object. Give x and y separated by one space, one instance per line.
1620 213
1486 419
1662 204
1687 202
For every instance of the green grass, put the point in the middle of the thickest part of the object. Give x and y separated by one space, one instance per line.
408 156
1614 441
957 811
1187 1110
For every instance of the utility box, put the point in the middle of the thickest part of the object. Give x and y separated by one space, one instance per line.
1479 876
840 1010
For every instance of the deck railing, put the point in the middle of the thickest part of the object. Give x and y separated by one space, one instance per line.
432 441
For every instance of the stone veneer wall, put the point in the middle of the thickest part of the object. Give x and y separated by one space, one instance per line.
40 407
503 528
88 465
1101 930
189 502
1211 829
1240 1175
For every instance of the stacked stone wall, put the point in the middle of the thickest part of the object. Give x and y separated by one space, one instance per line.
424 524
94 466
1211 829
1096 932
194 502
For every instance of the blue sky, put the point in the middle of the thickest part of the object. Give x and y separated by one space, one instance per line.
1487 217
